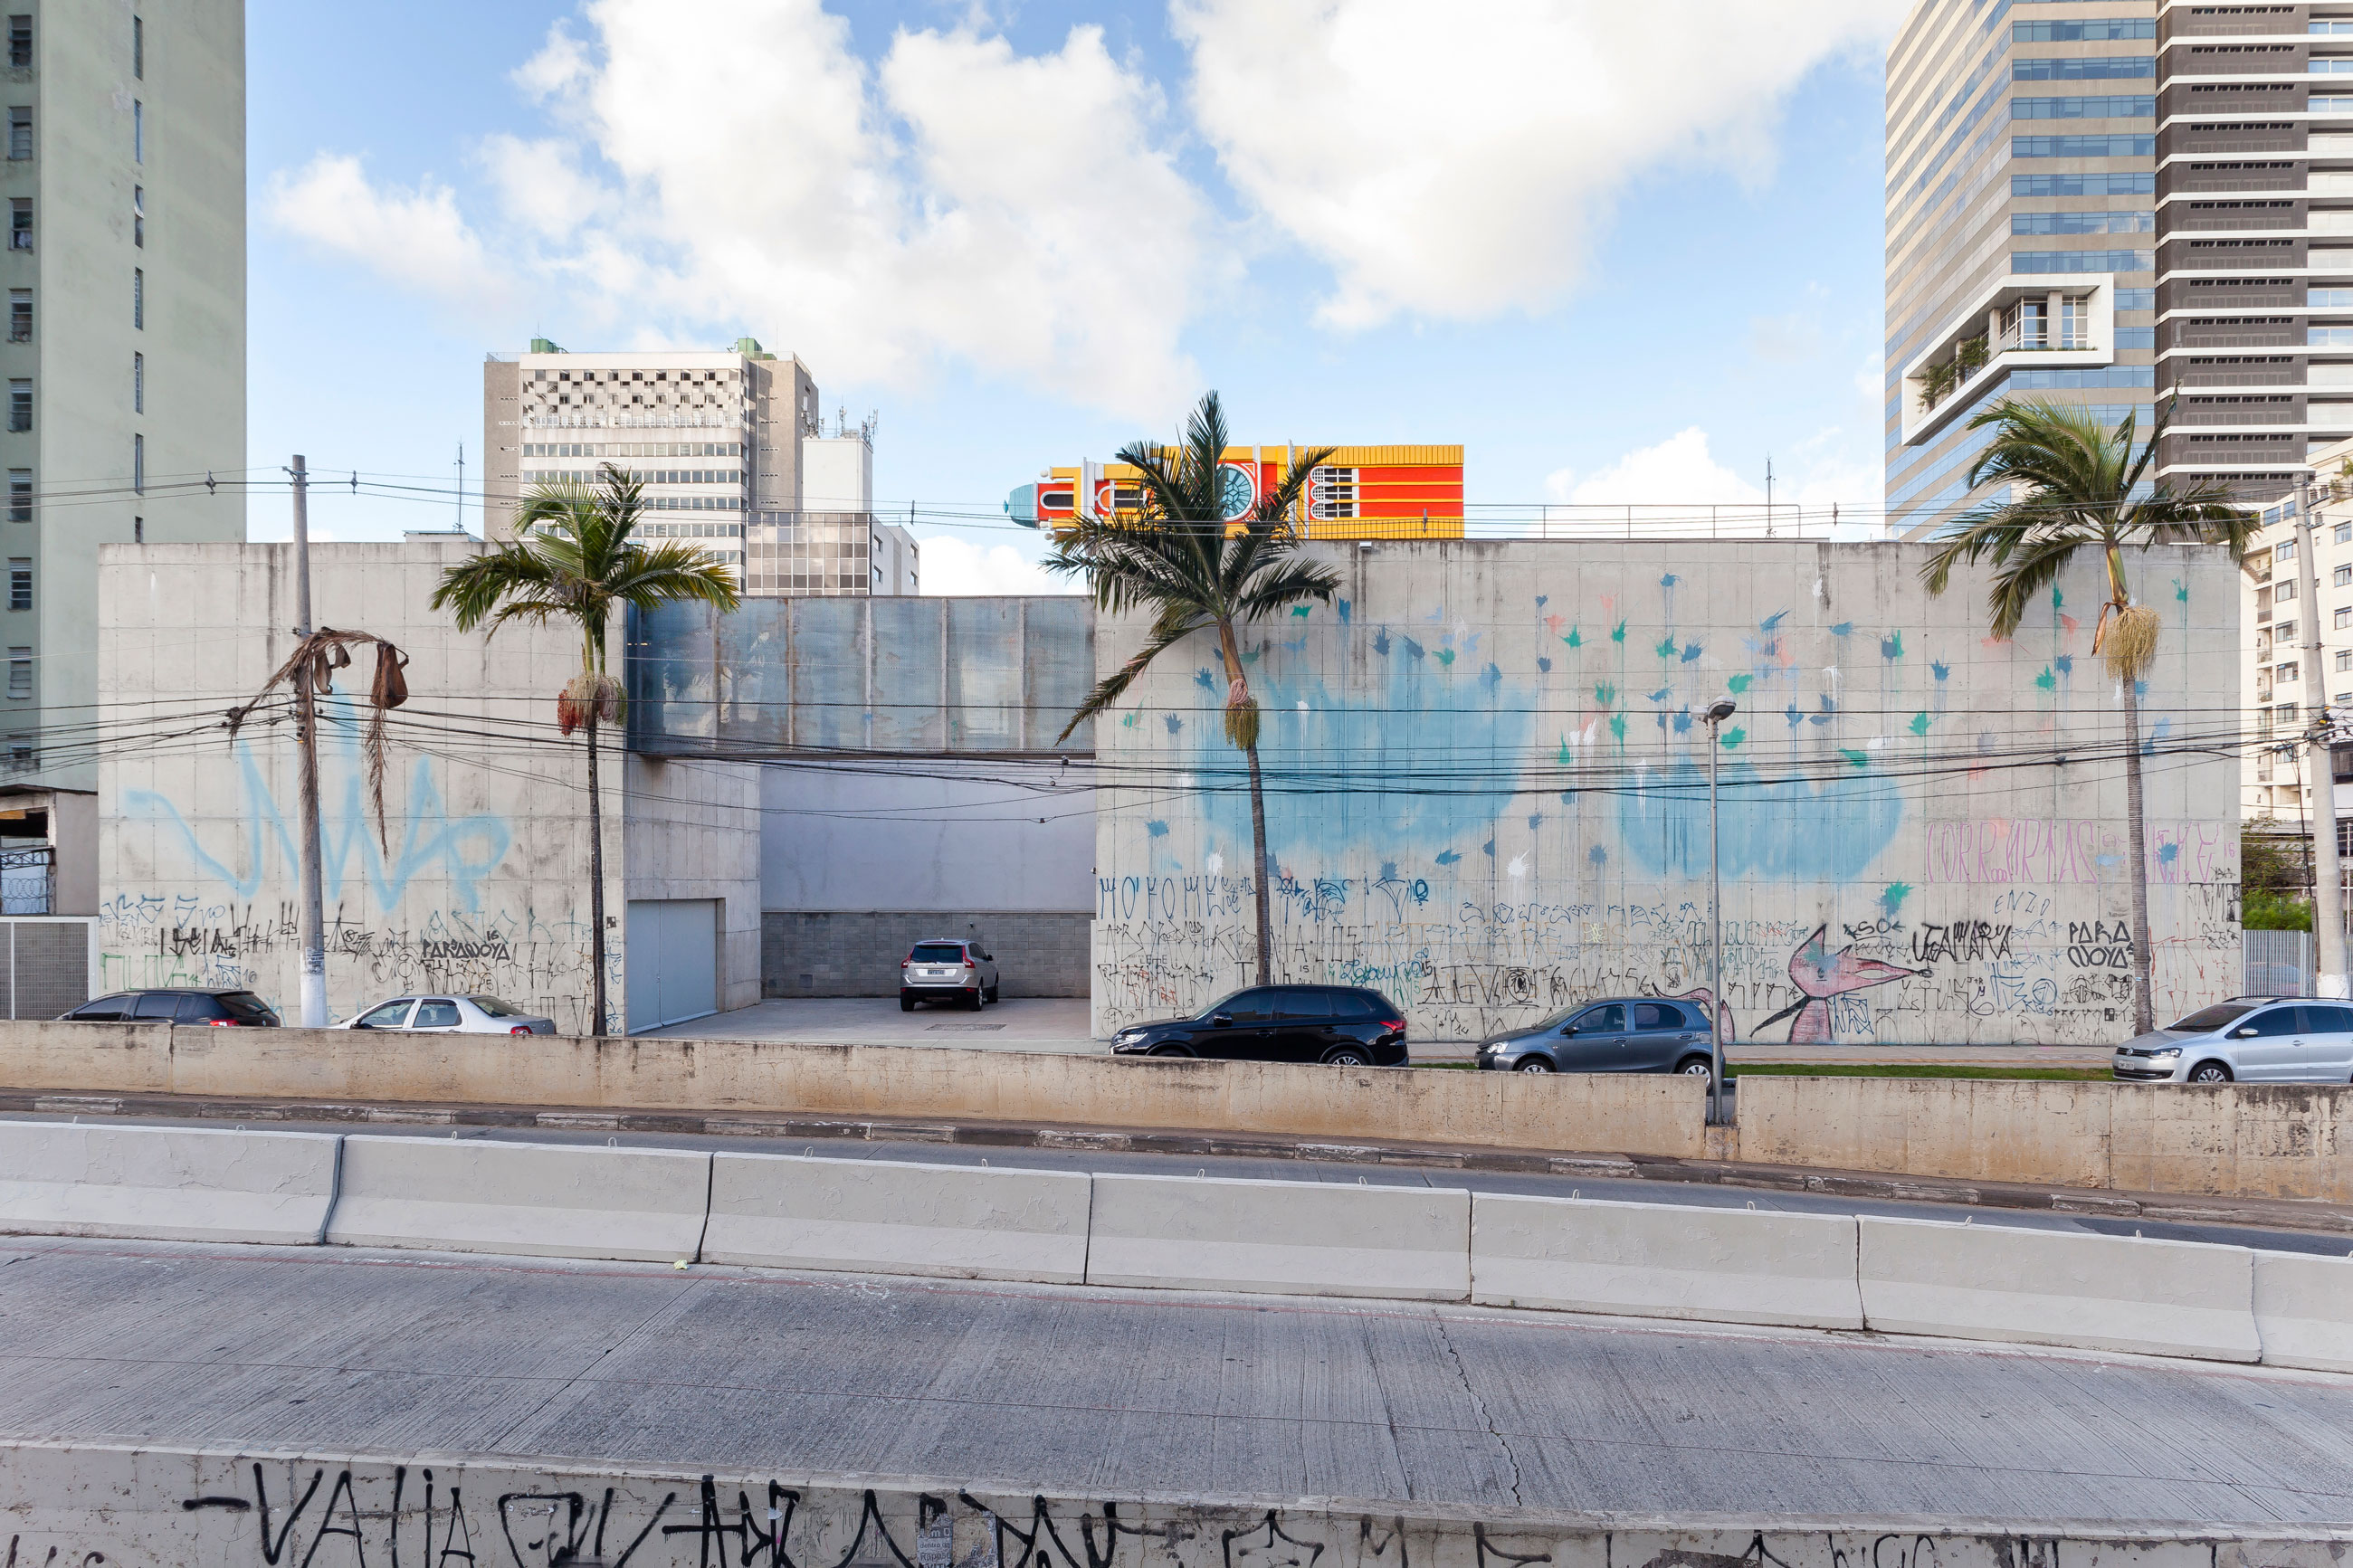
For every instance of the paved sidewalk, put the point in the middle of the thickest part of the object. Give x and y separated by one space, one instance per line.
1059 1024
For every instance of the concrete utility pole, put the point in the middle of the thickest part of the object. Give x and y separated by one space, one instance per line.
2320 771
306 718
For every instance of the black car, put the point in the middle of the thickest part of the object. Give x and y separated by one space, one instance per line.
220 1007
1340 1025
1629 1033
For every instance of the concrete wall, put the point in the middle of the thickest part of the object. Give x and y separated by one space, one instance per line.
847 953
483 885
1488 795
962 834
693 832
164 1508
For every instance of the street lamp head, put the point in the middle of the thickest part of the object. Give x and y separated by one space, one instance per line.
1722 709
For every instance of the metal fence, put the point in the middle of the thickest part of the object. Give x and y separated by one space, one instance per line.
28 880
2275 963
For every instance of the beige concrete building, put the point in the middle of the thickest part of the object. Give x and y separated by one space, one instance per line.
125 367
2276 622
729 443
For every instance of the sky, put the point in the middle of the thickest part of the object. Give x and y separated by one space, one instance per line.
1621 253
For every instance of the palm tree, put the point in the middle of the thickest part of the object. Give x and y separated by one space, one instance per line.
2075 487
574 558
1183 556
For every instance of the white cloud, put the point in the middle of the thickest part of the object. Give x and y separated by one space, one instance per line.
413 236
953 565
747 172
1681 478
1456 162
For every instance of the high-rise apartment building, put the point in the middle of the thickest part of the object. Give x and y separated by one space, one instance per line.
2112 201
124 361
729 444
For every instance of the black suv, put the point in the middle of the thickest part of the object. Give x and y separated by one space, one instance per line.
222 1009
1340 1025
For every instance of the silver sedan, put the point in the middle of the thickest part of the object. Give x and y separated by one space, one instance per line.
454 1015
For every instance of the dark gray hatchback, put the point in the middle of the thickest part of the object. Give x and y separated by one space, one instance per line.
1632 1034
1343 1026
219 1007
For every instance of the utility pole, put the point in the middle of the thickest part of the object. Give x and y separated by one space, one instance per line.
306 720
2320 771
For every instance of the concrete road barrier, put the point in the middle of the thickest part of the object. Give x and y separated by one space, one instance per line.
543 1200
1650 1261
2059 1287
883 1217
168 1183
1284 1237
2304 1310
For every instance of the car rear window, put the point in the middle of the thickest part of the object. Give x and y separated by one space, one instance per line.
200 1010
157 1004
1352 1004
938 953
492 1007
2327 1020
2214 1017
245 1006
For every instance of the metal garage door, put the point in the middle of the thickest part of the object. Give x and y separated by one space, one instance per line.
673 960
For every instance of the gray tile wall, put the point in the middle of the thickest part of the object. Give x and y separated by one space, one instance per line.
857 952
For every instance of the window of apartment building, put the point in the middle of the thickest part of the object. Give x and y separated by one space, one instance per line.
20 582
2345 533
2284 551
20 223
2345 658
20 404
20 42
2343 576
137 384
20 672
138 49
138 464
2283 633
2285 589
139 299
20 315
2343 617
20 132
138 131
2285 673
139 215
20 495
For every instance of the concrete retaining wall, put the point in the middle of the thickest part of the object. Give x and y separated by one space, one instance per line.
1647 1260
545 1200
169 1183
883 1217
1305 1239
1654 1114
2288 1140
165 1508
854 952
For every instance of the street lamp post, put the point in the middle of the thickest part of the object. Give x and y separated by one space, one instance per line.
1722 709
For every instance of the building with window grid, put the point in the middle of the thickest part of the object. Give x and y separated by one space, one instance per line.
728 443
2105 204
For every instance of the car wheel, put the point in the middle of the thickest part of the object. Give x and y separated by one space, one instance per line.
2209 1072
1696 1066
993 991
906 1003
1168 1051
1348 1057
972 1000
1532 1064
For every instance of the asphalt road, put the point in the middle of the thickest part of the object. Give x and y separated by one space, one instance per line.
1681 1194
333 1351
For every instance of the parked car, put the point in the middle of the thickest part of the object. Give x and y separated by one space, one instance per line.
1621 1034
451 1015
1340 1025
221 1007
2248 1039
947 969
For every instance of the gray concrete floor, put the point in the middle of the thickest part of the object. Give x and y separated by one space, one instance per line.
1060 1024
334 1350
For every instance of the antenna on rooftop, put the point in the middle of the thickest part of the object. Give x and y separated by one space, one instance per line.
1769 495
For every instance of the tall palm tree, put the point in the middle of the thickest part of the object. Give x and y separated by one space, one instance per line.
574 557
2075 487
1183 556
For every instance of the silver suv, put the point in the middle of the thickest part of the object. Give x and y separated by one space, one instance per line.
947 969
2248 1039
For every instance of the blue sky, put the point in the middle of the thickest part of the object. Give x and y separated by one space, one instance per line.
1022 234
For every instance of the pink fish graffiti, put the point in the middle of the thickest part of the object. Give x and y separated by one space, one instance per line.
1819 975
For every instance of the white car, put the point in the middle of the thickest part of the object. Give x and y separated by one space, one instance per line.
2248 1039
451 1015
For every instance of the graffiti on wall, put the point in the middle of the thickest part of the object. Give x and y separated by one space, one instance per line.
1921 830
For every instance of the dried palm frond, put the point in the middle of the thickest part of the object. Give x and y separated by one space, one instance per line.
1242 715
322 654
2131 644
589 694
